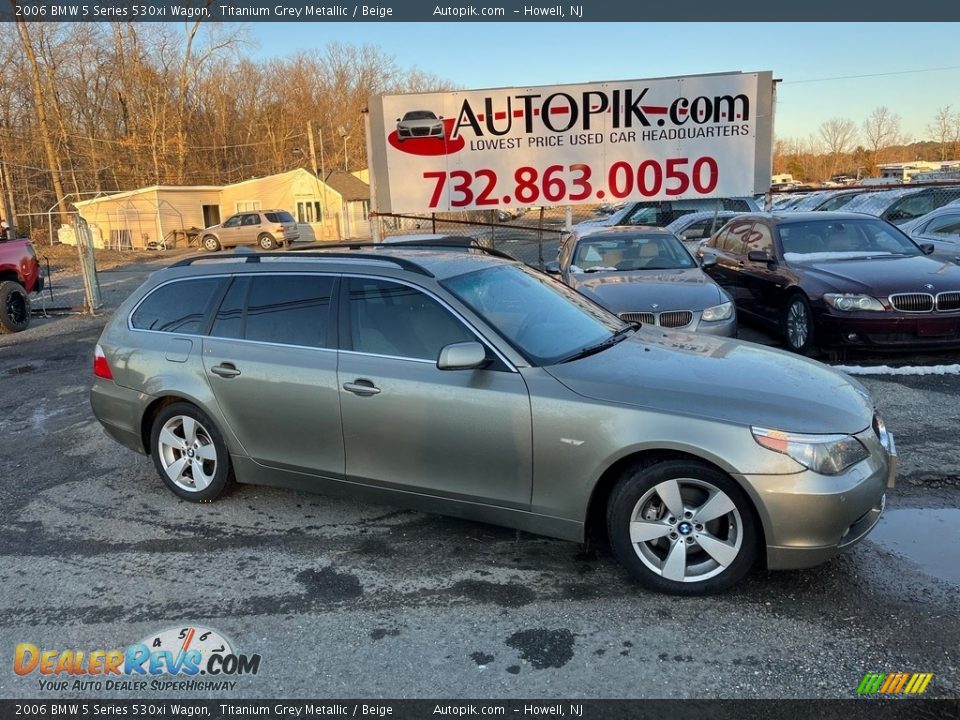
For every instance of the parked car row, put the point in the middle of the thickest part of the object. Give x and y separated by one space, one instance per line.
897 205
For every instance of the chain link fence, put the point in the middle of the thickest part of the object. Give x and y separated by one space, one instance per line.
532 236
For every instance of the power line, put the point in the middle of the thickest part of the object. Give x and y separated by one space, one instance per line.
870 75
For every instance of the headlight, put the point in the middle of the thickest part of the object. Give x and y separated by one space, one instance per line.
849 302
825 454
718 312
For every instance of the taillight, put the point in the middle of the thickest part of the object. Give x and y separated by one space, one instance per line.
101 368
280 229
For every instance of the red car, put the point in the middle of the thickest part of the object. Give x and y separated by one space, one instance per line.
19 277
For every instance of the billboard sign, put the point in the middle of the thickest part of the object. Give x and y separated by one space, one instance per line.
669 138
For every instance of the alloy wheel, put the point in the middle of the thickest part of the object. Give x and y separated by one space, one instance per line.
686 530
798 324
187 453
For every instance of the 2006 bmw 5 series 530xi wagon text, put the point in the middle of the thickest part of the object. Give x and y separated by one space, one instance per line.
458 382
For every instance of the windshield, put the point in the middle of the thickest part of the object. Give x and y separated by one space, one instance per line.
420 115
843 239
640 252
544 320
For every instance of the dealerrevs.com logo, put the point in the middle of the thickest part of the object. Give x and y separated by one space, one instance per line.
424 132
175 659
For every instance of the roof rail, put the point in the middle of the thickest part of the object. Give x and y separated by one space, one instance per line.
417 245
247 256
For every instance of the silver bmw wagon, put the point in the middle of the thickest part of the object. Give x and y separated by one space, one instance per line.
458 382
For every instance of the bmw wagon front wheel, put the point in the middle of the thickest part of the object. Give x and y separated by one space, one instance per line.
189 453
682 527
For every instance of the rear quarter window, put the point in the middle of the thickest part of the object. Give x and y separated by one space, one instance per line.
279 217
177 307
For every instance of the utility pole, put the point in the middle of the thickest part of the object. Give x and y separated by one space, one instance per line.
321 175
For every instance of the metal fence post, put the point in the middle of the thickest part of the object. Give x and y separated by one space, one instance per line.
88 264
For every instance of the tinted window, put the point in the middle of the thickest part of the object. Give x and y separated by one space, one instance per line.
842 240
233 221
387 318
288 309
251 219
760 239
176 307
228 322
737 236
281 216
947 225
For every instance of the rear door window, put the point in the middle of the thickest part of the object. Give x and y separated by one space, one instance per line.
177 307
280 309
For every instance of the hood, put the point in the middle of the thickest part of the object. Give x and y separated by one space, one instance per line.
637 290
727 380
884 276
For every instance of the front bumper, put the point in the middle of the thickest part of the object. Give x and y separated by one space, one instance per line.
809 518
891 331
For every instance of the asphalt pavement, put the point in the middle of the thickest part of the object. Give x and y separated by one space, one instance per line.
341 598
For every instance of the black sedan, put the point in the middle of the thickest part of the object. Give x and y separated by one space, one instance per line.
833 280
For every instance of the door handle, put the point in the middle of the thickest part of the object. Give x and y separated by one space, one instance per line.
225 370
361 387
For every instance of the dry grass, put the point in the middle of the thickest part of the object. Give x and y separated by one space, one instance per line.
65 259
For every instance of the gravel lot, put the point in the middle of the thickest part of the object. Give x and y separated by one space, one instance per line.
346 599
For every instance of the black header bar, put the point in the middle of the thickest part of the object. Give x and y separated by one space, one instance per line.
466 11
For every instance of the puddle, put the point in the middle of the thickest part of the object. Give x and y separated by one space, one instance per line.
929 538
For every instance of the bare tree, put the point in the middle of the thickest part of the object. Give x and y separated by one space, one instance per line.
40 105
942 129
839 136
881 130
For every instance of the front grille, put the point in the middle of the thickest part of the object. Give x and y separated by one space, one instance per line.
947 301
421 132
670 319
676 318
646 318
912 302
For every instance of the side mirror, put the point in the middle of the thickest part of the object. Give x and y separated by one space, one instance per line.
552 268
708 260
759 256
462 356
928 248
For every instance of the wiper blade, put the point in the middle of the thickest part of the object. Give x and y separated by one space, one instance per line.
601 346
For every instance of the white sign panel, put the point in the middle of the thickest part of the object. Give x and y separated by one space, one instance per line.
672 138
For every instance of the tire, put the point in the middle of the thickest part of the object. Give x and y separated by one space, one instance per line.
198 471
211 243
646 533
797 325
266 242
14 307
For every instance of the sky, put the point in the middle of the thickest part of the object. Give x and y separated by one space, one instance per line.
827 70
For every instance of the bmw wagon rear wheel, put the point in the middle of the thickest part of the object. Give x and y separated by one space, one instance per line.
189 453
682 527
